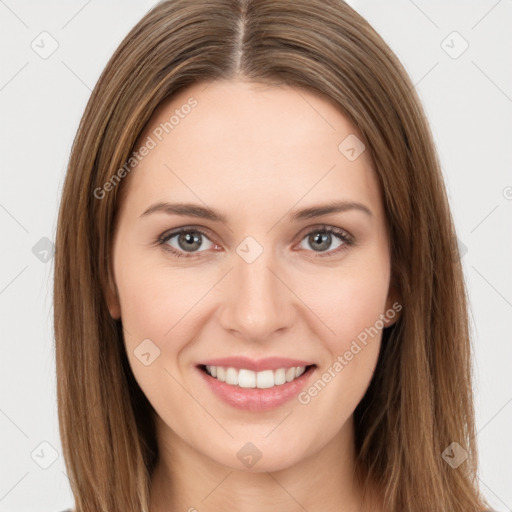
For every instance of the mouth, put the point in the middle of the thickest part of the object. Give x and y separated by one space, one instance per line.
265 379
267 385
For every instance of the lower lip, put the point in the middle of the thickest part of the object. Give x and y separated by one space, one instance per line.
256 399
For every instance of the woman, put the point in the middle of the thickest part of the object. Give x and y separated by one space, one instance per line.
258 299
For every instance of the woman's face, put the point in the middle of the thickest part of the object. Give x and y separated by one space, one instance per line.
260 281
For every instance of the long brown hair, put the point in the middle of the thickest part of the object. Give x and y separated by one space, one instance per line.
420 399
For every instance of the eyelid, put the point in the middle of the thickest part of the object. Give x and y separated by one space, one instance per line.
166 235
329 228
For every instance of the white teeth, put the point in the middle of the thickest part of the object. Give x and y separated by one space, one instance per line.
279 376
221 373
232 376
300 371
246 379
265 379
250 379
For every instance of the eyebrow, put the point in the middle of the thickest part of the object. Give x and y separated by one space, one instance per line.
203 212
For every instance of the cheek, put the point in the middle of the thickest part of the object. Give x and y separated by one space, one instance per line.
360 300
152 297
152 302
349 300
351 307
163 305
146 303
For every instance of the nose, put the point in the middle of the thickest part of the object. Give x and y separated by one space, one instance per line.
257 302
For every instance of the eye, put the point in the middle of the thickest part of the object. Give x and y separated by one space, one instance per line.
185 242
322 238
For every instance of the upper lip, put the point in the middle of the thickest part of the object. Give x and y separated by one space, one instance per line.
256 365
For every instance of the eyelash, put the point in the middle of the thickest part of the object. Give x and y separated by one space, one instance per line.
340 233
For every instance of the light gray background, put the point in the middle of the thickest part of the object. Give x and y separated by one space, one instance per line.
467 97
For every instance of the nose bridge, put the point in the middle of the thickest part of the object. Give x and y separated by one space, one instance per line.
258 302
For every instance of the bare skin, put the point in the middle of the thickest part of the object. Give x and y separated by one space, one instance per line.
256 154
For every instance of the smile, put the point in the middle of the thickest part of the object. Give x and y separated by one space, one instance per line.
267 385
245 378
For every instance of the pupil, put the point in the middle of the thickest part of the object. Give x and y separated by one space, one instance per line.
189 241
323 239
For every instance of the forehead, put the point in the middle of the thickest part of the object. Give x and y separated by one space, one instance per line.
250 113
257 141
